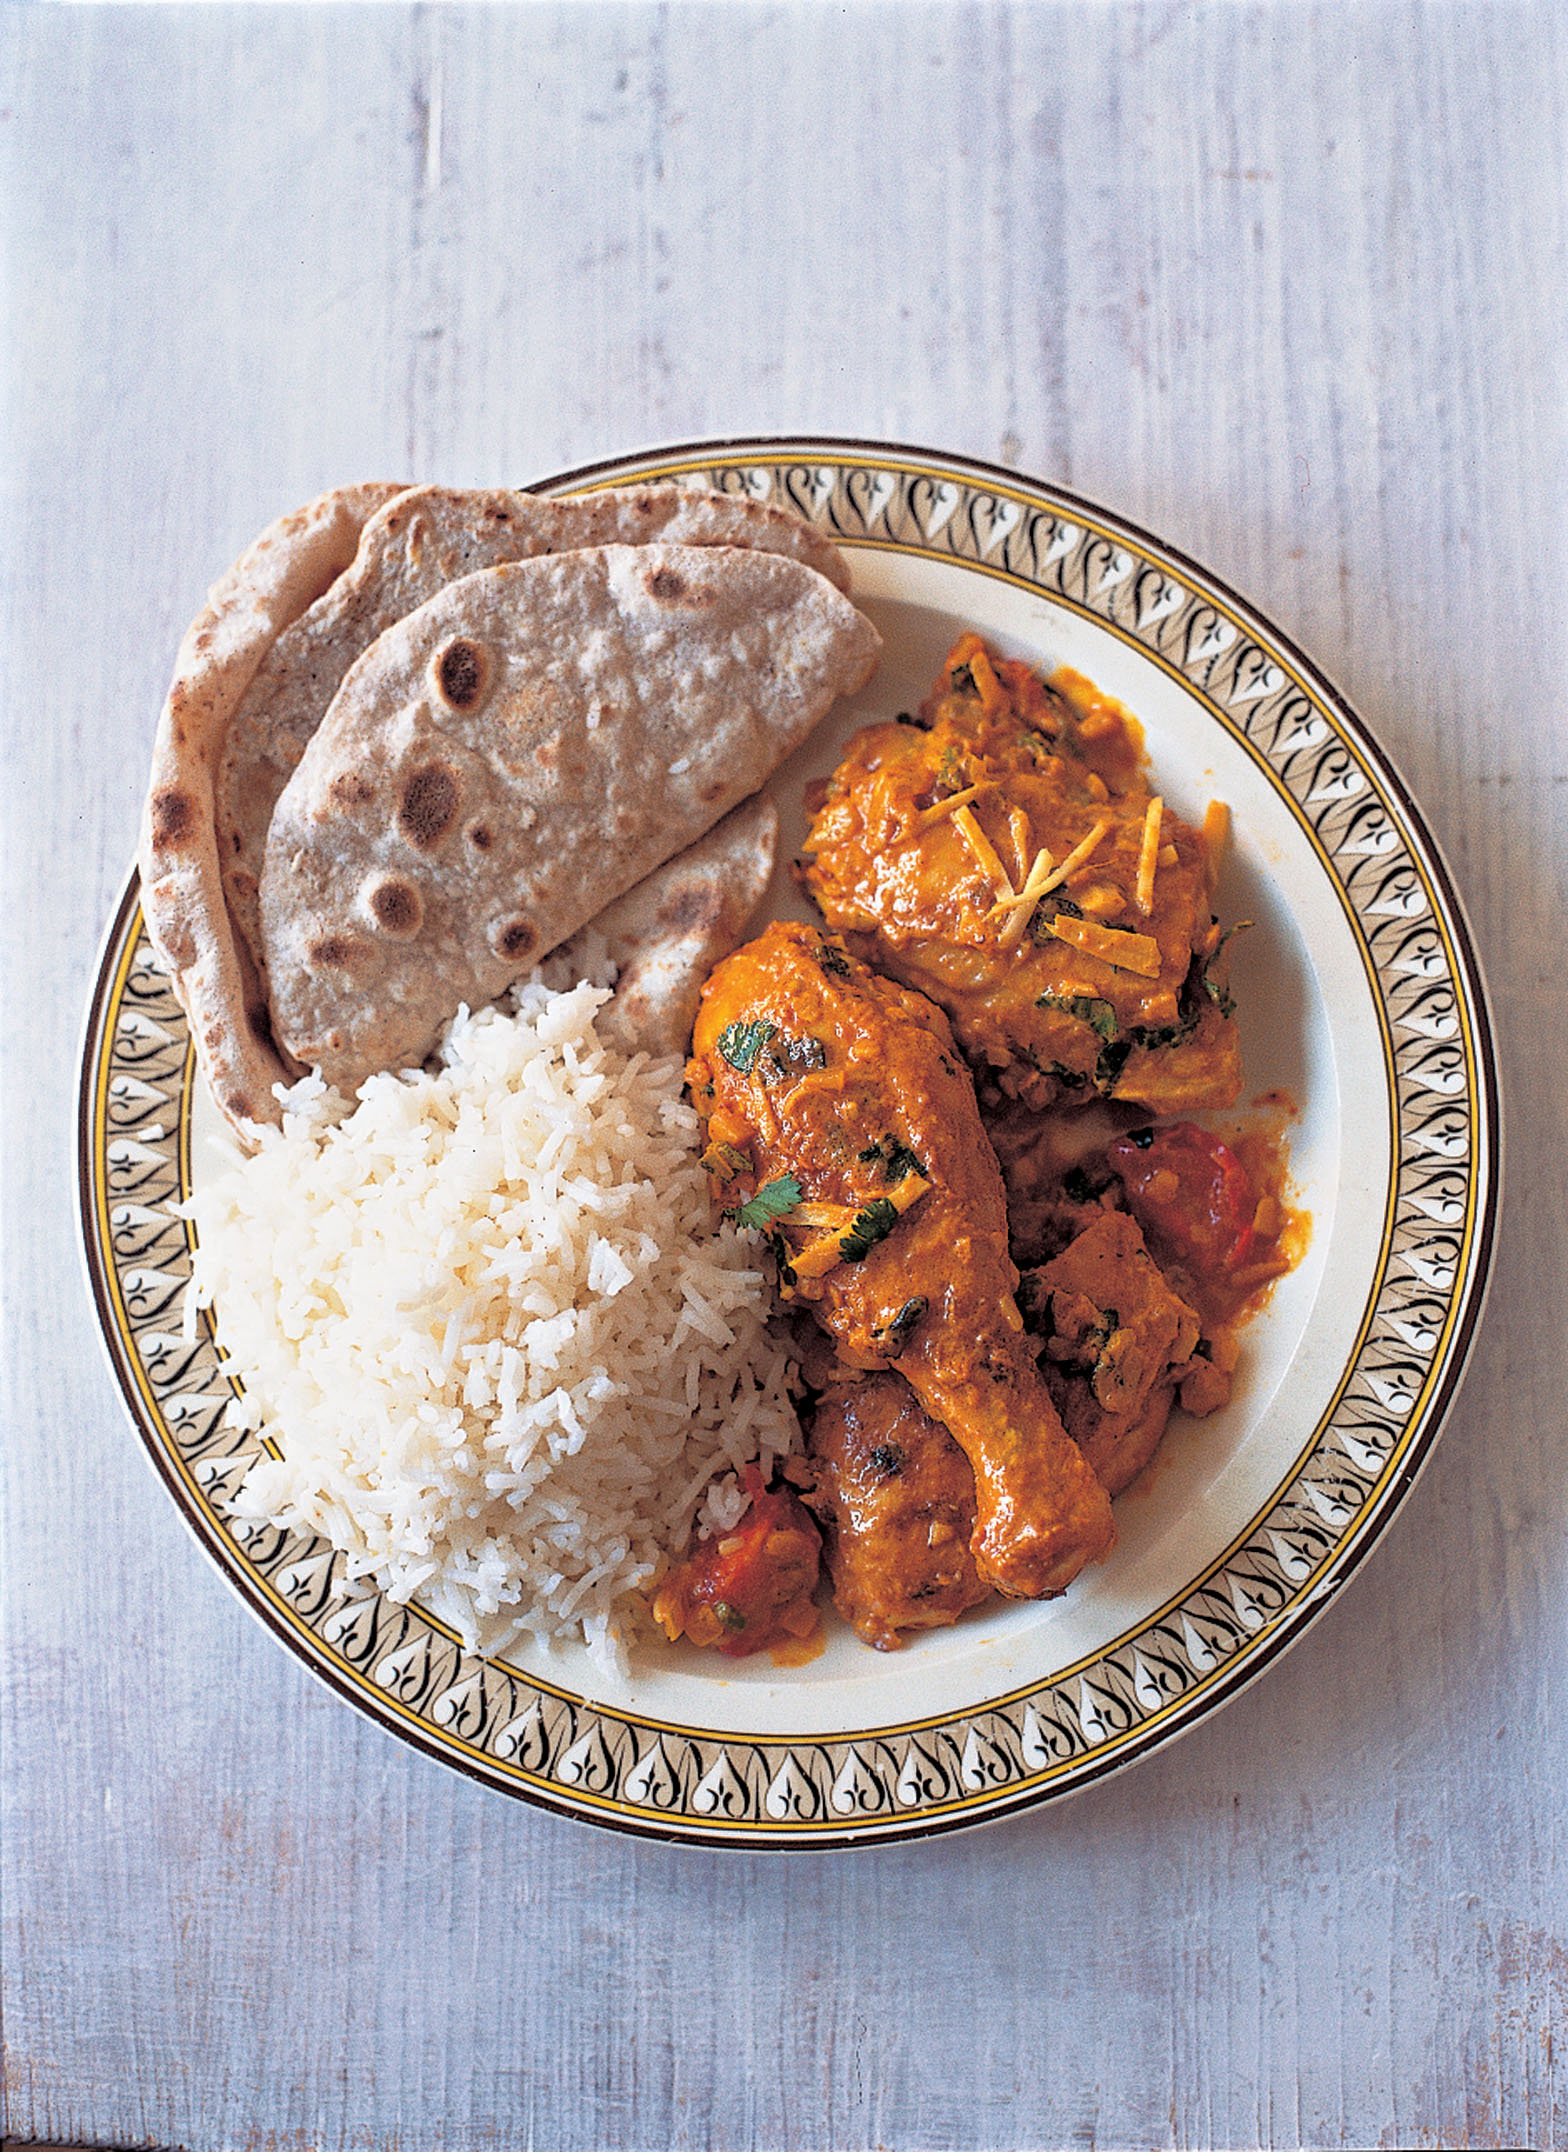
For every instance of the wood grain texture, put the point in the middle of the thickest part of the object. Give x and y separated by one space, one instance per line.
1284 283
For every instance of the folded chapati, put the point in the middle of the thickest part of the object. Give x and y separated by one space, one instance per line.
666 935
429 537
516 754
288 567
262 662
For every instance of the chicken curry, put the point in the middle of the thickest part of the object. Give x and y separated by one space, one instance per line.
939 1112
1002 853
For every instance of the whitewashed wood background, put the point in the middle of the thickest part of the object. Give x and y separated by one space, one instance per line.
1284 283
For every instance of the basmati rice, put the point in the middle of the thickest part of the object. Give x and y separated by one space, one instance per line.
487 1322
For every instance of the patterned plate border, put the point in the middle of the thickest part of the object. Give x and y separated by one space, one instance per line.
574 1754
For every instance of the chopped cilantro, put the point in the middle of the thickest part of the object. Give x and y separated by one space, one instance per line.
1088 1008
1110 1061
740 1044
772 1200
1221 996
952 771
868 1226
895 1158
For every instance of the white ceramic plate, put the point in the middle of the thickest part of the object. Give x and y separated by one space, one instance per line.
1359 995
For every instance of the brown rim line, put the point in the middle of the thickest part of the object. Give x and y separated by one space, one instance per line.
790 1804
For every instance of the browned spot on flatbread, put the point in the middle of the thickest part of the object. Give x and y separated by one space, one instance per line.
331 949
429 805
693 909
349 789
665 585
396 906
480 837
171 815
514 940
462 673
237 1104
179 943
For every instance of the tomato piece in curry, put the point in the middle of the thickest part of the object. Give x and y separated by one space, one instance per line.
749 1589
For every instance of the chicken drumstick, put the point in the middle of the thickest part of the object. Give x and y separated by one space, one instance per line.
839 1114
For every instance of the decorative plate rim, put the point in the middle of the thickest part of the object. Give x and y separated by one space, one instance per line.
568 1752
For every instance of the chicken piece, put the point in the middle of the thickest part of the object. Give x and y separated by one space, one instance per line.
839 1115
1005 857
750 1589
1040 1154
897 1498
1117 1340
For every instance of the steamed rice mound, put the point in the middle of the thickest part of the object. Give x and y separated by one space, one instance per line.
491 1329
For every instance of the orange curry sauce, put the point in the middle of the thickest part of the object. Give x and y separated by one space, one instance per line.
1090 1051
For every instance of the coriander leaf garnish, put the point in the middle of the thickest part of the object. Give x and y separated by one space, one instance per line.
1088 1008
772 1200
1221 996
868 1226
1109 1063
895 1158
740 1043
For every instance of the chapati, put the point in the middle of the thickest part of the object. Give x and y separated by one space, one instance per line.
514 755
429 537
292 563
665 936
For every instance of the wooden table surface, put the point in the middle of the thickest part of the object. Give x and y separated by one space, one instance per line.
1285 284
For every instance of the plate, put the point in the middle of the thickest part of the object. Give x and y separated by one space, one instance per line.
1360 996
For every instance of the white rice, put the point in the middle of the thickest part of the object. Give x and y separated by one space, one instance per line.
487 1322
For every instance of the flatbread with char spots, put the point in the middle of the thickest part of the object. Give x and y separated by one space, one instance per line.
666 935
429 537
293 563
515 754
